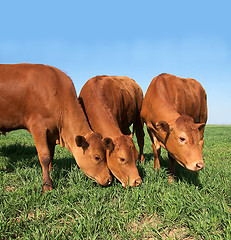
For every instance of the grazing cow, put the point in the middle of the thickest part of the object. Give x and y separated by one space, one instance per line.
175 112
112 104
42 99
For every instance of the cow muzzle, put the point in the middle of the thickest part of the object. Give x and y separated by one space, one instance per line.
133 183
106 183
200 165
196 166
136 182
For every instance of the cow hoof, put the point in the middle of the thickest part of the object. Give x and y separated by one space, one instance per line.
171 179
47 187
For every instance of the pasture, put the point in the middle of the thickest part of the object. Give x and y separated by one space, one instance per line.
195 206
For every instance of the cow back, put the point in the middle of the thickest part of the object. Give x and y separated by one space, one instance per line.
117 101
169 96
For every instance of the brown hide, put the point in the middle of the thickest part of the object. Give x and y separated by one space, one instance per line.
112 104
175 111
42 99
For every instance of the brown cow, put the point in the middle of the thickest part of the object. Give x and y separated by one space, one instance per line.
42 99
112 104
175 112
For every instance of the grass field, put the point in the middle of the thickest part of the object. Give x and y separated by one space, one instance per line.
195 206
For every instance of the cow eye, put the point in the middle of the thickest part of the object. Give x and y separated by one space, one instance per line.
97 158
182 140
122 160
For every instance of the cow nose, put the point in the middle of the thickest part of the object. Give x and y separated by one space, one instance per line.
106 182
109 181
136 182
199 165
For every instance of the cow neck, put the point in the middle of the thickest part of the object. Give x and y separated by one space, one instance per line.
170 117
163 108
113 133
74 123
163 113
77 122
107 128
106 124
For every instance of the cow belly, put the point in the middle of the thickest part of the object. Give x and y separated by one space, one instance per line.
10 123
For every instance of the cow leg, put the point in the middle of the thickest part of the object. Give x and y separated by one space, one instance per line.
156 150
172 164
51 148
172 169
51 140
140 138
45 153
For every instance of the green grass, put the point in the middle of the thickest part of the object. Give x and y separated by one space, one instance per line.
195 206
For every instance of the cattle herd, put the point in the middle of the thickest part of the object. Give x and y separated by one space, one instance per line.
95 127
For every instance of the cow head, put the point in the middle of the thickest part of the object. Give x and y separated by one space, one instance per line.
183 140
121 160
91 158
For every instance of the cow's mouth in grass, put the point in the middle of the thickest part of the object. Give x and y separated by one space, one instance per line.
93 178
122 181
177 159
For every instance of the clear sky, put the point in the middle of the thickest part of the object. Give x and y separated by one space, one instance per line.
138 39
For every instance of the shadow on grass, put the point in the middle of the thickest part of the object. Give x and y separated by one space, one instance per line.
182 174
141 170
148 157
19 155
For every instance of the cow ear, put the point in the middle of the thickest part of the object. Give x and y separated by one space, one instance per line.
200 126
108 144
162 127
136 153
131 135
81 142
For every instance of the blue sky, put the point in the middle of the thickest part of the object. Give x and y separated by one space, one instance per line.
138 39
